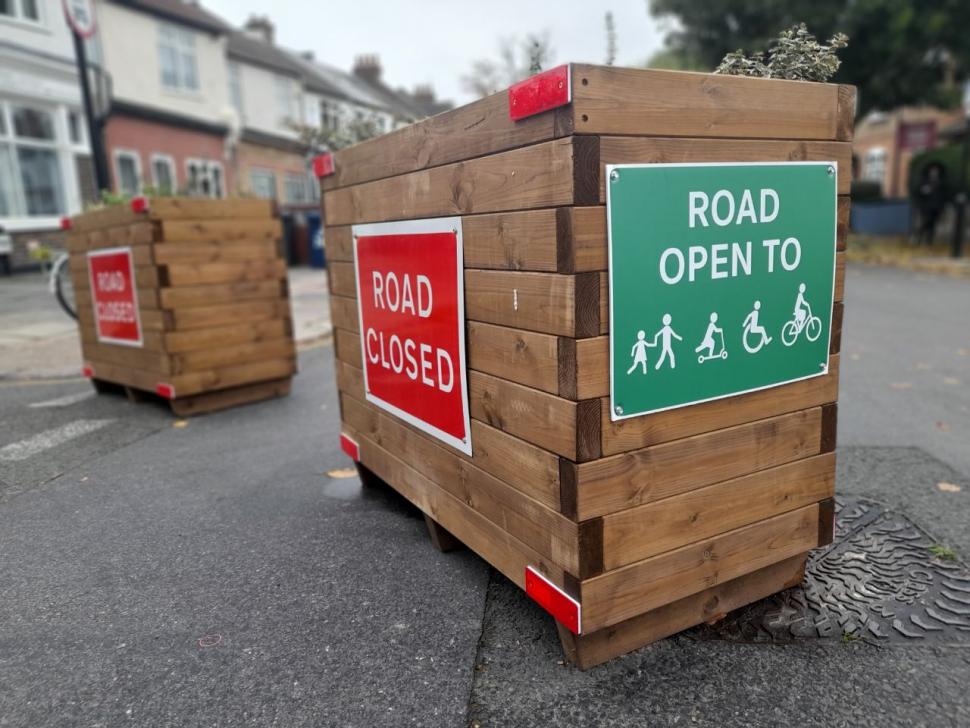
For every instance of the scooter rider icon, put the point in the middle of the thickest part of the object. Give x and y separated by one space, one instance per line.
709 344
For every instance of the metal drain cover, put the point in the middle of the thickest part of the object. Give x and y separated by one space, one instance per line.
878 580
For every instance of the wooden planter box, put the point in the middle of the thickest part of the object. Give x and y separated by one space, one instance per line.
213 323
652 524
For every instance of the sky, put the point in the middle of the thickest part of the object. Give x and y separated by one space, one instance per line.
436 41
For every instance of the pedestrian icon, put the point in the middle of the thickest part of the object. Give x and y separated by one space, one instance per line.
709 343
666 333
639 353
804 320
751 326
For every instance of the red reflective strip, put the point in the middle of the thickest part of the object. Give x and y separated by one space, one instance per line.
350 447
323 165
139 204
544 91
87 371
554 600
165 390
65 223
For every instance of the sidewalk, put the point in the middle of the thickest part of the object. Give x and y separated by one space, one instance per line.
39 341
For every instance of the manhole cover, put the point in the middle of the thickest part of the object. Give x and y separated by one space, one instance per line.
879 580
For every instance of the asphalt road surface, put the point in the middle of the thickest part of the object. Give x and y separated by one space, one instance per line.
211 572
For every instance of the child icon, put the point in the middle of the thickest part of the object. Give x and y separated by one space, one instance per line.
751 326
709 344
639 353
666 333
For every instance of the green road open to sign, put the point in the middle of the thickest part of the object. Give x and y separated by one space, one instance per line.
721 279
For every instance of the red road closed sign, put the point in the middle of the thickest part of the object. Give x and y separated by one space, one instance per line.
411 304
112 275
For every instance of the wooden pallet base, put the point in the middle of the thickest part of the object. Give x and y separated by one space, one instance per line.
206 402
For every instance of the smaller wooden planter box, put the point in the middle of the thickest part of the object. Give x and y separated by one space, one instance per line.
184 298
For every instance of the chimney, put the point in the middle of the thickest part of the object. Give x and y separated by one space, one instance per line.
368 67
423 94
260 27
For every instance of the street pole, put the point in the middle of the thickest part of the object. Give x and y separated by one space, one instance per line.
961 198
94 125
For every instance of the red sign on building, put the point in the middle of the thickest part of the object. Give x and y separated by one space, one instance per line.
112 276
411 304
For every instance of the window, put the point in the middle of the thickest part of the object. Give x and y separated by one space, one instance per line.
176 58
31 178
874 168
329 116
127 172
75 129
263 184
21 10
163 173
296 188
204 178
235 88
285 98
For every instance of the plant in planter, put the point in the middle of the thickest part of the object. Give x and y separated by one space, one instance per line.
795 56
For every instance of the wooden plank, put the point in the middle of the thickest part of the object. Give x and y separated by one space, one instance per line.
343 279
338 242
519 356
146 360
105 217
593 367
215 252
839 291
541 175
542 528
710 605
214 357
476 129
674 424
217 230
133 377
847 111
171 208
248 331
196 274
189 296
225 398
611 100
842 222
565 305
633 478
656 150
525 240
151 340
582 234
632 590
838 313
347 347
343 313
522 465
190 319
232 376
649 530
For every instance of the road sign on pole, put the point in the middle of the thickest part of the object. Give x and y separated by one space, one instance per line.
80 16
721 279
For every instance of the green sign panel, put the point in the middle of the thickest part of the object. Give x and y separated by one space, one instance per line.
721 279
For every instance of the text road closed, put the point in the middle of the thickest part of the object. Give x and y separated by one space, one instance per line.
410 303
114 296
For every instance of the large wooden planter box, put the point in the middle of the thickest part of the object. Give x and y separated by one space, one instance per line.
652 524
214 324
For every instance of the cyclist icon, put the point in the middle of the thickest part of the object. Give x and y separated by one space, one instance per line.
751 326
804 320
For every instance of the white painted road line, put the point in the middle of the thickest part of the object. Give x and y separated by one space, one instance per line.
66 399
50 438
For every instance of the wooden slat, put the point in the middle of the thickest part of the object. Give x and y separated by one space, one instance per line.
655 150
224 398
171 208
842 222
248 331
131 357
539 526
593 367
215 252
524 240
232 376
839 290
209 230
537 176
611 100
476 129
343 313
519 356
104 217
847 111
343 279
649 530
151 340
189 319
638 432
347 347
189 296
583 239
111 371
630 479
338 244
214 357
632 590
195 274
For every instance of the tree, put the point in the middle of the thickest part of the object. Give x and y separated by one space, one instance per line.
610 39
899 52
517 59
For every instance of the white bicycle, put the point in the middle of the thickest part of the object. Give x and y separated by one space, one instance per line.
811 325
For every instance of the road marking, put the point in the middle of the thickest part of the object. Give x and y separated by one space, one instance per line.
50 438
65 400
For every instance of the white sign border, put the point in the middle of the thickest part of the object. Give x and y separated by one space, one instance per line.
134 294
412 227
614 417
77 27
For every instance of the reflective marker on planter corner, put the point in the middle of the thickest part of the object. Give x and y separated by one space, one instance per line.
566 610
